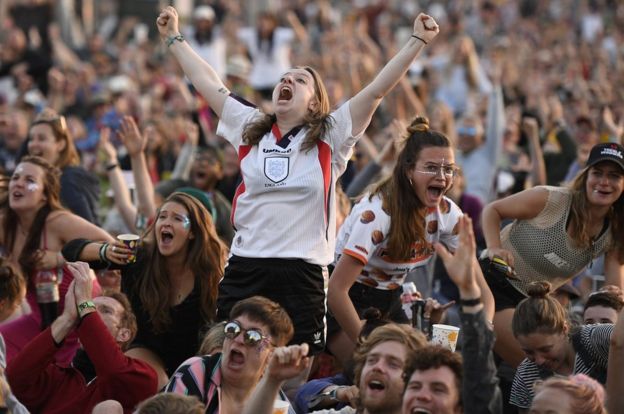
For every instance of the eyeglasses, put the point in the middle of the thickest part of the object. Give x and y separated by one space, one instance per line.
251 337
447 171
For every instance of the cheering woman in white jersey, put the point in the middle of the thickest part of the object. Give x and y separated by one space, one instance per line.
284 209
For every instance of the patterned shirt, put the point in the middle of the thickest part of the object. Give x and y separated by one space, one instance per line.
364 233
201 377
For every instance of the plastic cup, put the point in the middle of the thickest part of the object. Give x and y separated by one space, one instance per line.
445 335
280 407
132 242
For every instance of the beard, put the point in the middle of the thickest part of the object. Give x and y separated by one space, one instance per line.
390 402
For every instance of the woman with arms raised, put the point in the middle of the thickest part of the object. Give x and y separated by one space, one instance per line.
290 161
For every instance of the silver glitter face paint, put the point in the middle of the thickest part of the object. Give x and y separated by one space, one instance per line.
186 222
32 187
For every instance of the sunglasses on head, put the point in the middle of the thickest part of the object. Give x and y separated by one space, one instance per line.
251 337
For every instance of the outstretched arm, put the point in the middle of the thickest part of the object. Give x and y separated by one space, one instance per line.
201 74
368 99
523 205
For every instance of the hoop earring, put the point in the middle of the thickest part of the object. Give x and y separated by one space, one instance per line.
410 180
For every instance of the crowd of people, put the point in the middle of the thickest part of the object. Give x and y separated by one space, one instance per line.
315 184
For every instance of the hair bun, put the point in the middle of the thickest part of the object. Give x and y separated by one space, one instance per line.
539 290
420 123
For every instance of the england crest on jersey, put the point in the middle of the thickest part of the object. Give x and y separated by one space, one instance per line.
276 168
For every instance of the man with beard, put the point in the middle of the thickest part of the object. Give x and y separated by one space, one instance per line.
379 365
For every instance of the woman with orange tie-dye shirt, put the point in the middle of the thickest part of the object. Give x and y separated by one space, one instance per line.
391 231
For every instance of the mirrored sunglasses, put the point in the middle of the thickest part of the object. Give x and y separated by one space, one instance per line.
251 337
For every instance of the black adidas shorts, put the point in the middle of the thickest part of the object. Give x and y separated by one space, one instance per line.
298 286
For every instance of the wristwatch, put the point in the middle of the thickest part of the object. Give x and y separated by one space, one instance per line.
325 396
84 306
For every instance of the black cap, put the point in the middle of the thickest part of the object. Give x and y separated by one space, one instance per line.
606 152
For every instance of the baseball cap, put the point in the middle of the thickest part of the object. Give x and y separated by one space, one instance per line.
606 152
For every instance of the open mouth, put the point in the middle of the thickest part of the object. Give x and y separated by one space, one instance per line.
285 94
166 236
419 410
435 191
237 357
375 385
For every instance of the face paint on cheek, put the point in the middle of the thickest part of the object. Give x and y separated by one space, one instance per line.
186 222
32 187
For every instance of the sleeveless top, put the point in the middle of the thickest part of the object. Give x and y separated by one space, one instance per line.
542 248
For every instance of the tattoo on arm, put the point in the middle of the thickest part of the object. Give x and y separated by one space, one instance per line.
224 91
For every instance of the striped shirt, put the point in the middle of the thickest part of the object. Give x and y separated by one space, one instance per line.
594 339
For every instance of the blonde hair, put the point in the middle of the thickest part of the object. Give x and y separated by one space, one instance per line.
586 393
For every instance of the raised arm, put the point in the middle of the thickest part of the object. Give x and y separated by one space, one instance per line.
284 363
365 102
201 74
480 392
135 144
523 205
121 194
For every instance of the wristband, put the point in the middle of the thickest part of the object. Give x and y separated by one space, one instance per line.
103 253
420 38
85 306
111 167
470 302
169 41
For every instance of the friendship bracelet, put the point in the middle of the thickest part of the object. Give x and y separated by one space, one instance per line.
419 38
172 39
103 253
111 167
